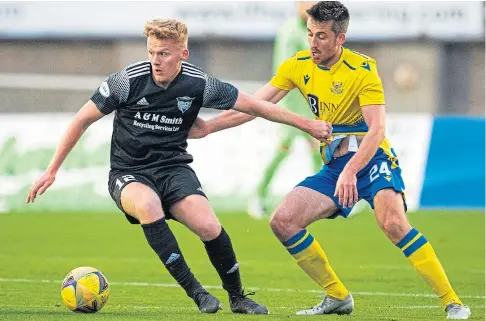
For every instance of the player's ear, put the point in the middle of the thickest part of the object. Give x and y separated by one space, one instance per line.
341 38
185 54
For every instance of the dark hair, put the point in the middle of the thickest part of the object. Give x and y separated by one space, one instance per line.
335 11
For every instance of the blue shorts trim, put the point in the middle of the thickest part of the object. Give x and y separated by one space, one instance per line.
380 173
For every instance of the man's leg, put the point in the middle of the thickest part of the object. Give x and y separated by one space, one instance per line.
189 205
300 208
142 203
390 215
195 212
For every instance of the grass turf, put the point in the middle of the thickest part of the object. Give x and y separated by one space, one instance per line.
38 250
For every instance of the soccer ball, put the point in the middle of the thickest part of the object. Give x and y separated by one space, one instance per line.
85 290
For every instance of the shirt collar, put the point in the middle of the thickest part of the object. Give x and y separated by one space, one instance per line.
336 65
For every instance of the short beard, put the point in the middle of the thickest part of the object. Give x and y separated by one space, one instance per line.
326 61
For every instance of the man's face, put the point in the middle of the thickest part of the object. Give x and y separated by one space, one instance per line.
323 43
165 57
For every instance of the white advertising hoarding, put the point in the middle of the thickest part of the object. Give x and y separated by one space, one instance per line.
448 20
229 164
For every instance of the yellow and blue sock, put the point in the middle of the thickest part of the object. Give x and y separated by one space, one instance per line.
312 259
422 256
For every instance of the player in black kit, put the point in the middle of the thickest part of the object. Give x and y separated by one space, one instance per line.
156 103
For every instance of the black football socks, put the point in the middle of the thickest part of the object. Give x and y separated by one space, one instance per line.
164 243
222 256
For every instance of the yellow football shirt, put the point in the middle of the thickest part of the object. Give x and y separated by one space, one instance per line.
336 94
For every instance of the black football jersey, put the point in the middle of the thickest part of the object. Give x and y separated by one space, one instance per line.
151 123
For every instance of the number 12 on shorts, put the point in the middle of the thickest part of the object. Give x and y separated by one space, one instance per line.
374 173
126 179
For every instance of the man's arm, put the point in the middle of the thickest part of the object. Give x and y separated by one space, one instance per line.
199 129
346 189
248 104
87 115
233 118
112 93
375 118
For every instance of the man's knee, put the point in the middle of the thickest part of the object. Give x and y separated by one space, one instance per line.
195 212
281 223
209 230
148 211
390 214
141 202
395 226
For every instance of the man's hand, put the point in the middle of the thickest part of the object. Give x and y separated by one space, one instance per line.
199 129
346 189
41 185
319 129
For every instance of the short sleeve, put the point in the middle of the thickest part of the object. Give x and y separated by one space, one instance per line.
283 77
112 93
371 92
218 94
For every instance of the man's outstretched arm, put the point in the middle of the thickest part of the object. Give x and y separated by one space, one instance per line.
250 105
233 118
87 115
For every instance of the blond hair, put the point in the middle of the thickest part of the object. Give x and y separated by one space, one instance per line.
167 29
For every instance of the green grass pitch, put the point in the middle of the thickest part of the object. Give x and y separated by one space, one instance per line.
38 250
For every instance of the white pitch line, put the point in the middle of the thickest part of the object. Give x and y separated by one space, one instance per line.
426 307
218 287
167 308
111 307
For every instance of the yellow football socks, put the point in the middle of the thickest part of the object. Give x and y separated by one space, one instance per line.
422 256
312 259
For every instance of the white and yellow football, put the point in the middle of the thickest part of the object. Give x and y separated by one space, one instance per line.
85 290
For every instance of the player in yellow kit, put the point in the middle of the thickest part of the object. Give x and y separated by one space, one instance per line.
343 88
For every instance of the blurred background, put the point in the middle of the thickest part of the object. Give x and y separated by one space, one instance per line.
430 56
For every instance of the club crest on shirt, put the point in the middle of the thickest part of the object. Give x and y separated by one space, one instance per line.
184 103
337 87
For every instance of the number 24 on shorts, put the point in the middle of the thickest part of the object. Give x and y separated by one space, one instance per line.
374 173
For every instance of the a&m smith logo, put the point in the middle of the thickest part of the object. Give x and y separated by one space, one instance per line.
184 103
337 87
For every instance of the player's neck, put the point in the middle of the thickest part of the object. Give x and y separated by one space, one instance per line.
328 64
166 84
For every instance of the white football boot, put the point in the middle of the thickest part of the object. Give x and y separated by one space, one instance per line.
458 312
331 305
